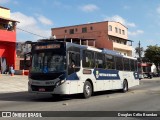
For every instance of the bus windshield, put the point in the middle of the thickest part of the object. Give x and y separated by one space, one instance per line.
48 62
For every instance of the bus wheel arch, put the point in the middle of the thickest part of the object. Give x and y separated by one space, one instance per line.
125 86
87 88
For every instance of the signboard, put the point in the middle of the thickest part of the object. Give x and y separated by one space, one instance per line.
49 46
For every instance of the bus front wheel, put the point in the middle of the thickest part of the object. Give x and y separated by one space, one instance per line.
87 89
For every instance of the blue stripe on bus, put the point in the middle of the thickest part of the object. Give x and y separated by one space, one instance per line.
101 74
73 76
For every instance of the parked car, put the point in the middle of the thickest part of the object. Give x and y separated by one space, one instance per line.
155 75
141 76
147 75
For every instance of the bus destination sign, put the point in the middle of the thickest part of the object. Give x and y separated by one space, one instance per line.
49 46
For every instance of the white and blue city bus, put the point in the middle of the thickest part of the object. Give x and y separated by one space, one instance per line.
68 68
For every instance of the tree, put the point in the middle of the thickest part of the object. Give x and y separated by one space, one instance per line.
153 54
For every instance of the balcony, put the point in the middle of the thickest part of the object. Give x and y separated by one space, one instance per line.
7 36
122 46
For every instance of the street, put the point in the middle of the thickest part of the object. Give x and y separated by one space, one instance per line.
145 97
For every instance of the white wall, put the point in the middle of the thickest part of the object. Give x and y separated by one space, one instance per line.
153 68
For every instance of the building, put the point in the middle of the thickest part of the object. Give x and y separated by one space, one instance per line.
107 34
145 67
7 40
21 49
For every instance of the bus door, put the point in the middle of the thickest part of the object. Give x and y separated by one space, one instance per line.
73 68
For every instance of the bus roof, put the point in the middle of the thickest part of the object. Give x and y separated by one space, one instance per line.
103 50
111 52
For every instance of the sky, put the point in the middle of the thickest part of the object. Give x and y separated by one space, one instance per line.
141 17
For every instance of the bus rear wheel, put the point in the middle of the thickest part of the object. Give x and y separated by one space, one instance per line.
87 89
125 86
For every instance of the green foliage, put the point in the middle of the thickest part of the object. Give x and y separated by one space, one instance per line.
153 54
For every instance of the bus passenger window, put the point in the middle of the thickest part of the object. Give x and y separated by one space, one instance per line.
74 59
100 60
126 64
136 65
110 63
132 63
88 59
119 63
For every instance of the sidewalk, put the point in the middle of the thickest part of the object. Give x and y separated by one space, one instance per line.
17 83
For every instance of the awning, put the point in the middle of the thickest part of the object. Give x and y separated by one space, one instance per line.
8 19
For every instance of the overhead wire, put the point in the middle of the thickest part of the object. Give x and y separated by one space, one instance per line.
30 32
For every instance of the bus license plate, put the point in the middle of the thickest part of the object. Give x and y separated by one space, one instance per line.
42 90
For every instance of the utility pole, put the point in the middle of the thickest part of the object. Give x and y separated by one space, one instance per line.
139 51
140 56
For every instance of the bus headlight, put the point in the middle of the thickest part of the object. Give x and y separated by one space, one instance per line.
59 83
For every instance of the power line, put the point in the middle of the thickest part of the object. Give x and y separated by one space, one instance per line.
31 33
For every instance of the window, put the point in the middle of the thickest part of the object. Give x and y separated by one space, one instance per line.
126 64
136 65
65 31
84 30
50 61
100 60
119 63
88 59
116 29
71 31
74 59
110 62
123 32
110 28
133 65
119 31
91 28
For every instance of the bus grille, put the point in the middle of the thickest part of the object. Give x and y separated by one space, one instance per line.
47 76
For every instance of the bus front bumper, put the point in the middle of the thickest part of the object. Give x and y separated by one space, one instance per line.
52 89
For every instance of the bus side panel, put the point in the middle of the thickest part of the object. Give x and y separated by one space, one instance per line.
130 77
108 84
100 85
136 77
83 77
107 79
116 84
73 86
125 75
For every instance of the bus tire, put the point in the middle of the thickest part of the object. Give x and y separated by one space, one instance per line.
87 89
125 86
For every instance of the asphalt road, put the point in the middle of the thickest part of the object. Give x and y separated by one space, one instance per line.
145 97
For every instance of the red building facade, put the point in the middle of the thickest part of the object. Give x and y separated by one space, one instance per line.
7 40
95 31
107 34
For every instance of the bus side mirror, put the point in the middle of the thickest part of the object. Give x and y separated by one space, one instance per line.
27 60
